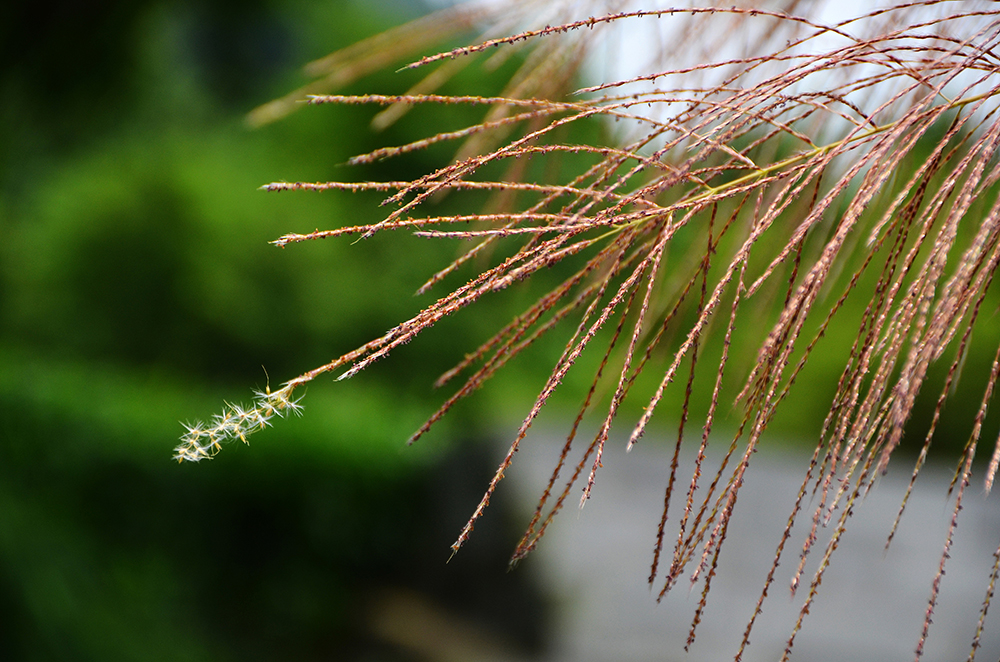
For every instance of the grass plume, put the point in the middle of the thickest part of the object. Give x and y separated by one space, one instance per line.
771 176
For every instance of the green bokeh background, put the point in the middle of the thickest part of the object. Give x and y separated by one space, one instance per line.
138 289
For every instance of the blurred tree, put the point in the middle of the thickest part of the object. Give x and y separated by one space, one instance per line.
136 283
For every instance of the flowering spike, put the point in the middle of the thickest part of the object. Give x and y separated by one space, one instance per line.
201 442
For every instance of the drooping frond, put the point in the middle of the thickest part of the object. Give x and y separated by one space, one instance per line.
769 174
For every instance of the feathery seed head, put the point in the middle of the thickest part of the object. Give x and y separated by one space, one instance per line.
201 442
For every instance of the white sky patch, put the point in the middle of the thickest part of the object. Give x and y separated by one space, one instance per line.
686 43
637 47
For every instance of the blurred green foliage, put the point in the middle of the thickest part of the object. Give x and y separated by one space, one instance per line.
137 287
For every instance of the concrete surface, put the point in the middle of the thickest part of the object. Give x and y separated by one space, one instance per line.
870 606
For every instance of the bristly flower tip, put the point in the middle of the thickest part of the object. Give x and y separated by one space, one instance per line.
201 442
